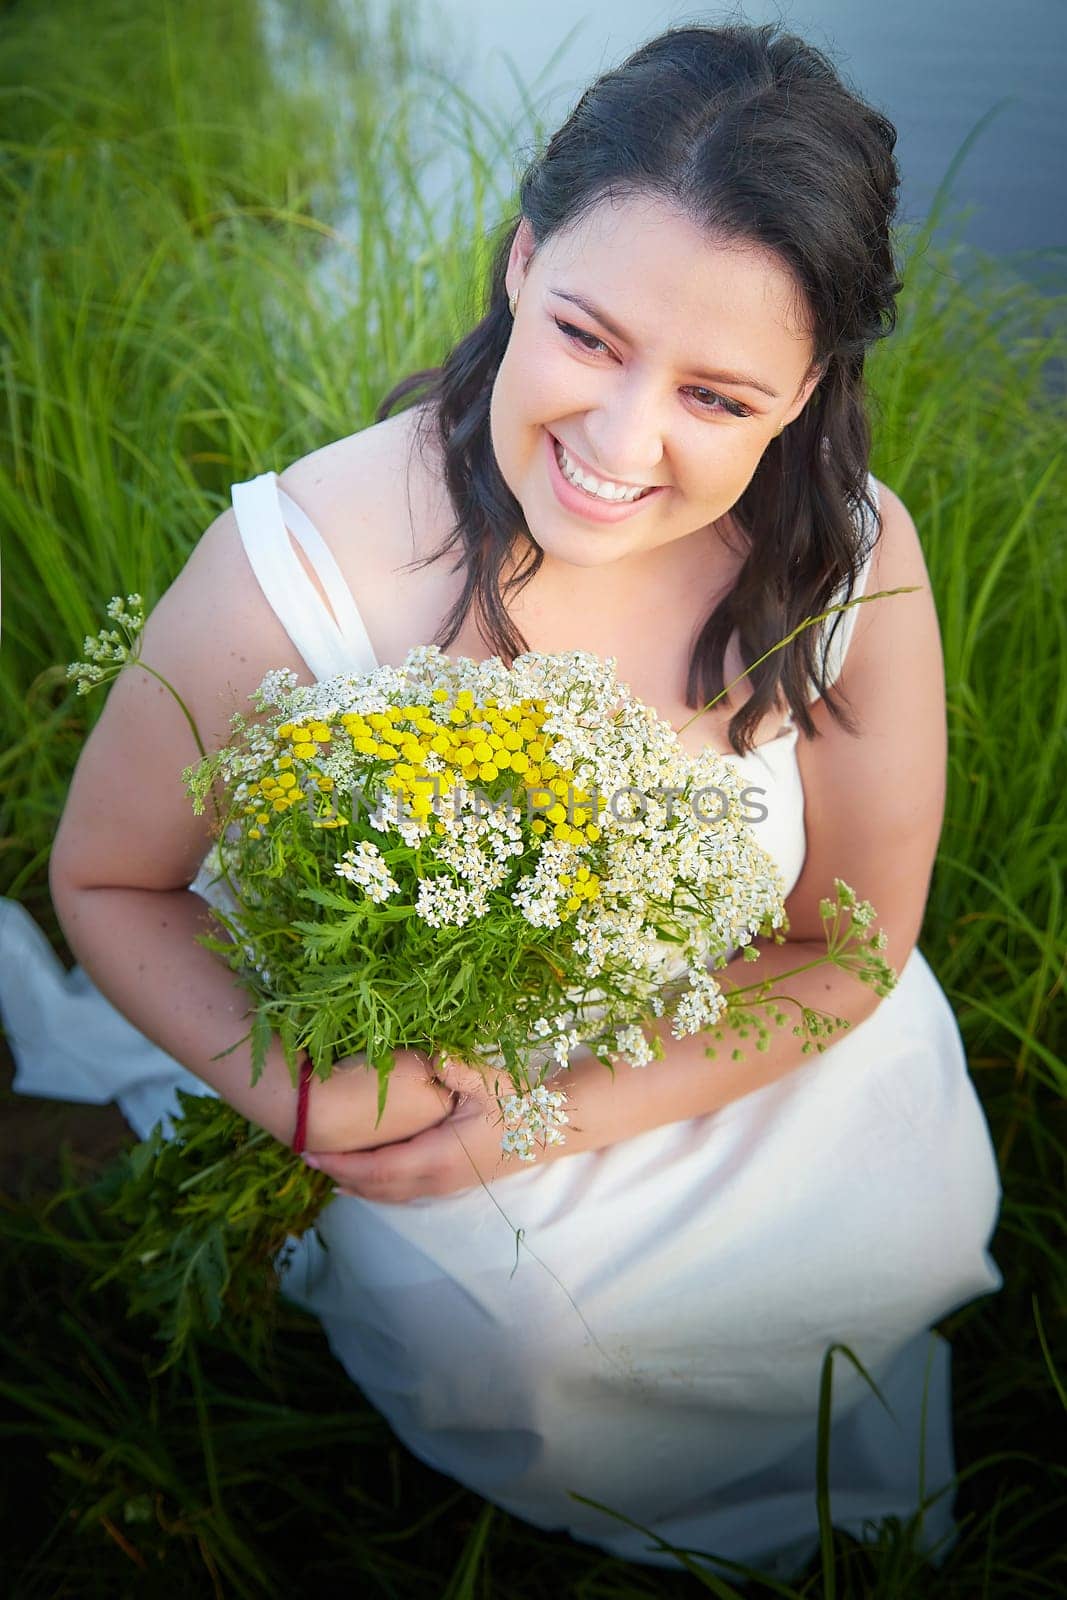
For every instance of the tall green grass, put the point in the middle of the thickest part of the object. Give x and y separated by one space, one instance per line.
170 205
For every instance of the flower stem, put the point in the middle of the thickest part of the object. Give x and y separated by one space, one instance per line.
808 622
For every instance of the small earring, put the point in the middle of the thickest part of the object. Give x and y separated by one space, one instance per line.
777 431
513 301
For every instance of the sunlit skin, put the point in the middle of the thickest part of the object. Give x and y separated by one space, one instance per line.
638 410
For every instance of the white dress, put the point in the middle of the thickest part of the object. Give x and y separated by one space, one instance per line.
657 1348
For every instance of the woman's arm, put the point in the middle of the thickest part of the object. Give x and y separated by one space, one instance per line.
128 845
138 946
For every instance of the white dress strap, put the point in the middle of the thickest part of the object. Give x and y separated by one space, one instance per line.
836 648
330 639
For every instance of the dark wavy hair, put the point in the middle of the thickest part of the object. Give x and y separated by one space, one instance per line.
750 133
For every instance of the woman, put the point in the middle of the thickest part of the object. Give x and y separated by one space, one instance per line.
654 446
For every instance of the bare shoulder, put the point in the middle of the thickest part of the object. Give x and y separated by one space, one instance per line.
379 500
353 483
214 625
898 557
894 669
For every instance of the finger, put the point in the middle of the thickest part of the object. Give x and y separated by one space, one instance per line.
389 1167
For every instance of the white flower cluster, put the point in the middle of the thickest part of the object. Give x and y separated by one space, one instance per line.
388 818
479 847
538 1117
632 1043
108 652
276 684
444 904
701 1007
364 866
539 894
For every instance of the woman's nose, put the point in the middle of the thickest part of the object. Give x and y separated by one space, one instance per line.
626 435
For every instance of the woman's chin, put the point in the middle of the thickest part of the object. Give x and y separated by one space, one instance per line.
574 553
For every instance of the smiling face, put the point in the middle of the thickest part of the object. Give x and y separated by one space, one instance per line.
663 384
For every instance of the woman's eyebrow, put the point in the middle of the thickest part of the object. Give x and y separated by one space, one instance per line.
741 378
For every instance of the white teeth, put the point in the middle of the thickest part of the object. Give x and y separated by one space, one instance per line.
591 485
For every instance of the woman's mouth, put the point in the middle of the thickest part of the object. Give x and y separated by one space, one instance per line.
585 502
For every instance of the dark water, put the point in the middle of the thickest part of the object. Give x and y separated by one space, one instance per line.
936 68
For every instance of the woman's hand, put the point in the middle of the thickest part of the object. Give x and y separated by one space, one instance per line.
343 1110
460 1151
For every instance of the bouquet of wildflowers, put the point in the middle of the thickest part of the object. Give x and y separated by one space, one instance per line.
498 865
502 865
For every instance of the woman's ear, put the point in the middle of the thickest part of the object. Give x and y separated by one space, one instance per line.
522 248
810 384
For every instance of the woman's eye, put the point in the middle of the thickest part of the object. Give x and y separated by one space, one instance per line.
579 336
734 407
